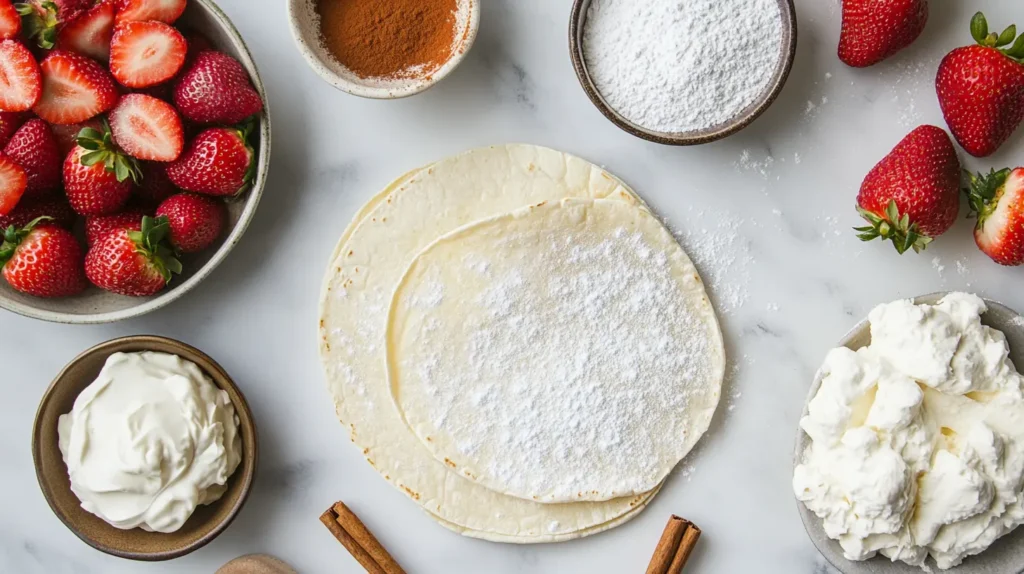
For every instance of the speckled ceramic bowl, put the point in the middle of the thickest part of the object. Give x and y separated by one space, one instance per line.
205 524
98 306
577 22
1006 555
305 24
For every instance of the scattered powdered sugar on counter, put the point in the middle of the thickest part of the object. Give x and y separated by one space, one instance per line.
681 66
721 255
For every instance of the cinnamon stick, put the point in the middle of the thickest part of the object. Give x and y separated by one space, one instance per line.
360 542
674 547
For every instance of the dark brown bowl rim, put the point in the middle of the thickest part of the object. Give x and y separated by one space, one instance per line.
188 352
752 112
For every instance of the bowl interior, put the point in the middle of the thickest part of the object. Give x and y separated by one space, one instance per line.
305 24
98 306
577 24
207 521
1006 555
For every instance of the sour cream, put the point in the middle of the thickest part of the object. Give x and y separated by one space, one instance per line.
148 441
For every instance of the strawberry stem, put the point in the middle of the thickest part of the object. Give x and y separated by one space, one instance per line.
892 227
12 237
981 35
983 192
150 242
100 147
39 21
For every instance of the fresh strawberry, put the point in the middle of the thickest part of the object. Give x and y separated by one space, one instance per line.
98 226
219 161
10 21
145 54
196 221
42 19
873 31
155 186
13 182
912 196
56 208
147 128
997 200
67 136
981 88
97 176
135 263
90 33
137 10
35 149
197 43
215 89
42 260
75 89
9 123
21 83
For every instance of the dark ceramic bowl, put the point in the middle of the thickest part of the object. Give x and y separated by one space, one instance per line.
577 23
1006 555
205 524
98 306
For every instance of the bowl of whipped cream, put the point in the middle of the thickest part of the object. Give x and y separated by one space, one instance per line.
910 454
145 448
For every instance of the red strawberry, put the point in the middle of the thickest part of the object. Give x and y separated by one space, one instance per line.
10 21
219 161
90 33
42 260
196 221
98 226
145 54
163 10
75 89
981 88
155 186
56 209
997 199
873 31
215 89
67 136
912 195
21 83
147 128
97 176
35 149
13 182
197 43
135 263
9 123
42 19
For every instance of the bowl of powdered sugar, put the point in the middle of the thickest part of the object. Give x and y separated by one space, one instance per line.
682 72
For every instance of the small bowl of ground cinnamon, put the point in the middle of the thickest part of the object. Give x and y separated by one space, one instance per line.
384 49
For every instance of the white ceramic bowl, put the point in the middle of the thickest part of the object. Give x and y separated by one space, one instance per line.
305 24
98 306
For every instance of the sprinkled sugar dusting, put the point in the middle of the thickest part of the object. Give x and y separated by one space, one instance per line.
579 359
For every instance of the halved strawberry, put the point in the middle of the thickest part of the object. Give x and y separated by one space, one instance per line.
9 123
75 88
21 83
13 182
137 10
35 150
997 200
90 33
147 128
10 20
145 54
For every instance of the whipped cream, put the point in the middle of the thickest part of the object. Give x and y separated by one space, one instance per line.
148 441
918 439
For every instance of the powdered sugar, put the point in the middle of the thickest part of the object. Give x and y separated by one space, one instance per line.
680 66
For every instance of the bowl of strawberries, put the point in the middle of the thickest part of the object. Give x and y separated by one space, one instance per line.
134 147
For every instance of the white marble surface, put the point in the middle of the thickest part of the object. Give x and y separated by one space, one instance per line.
767 213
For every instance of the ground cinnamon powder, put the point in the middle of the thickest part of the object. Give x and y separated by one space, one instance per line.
389 38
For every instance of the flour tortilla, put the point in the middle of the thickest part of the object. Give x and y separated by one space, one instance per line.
370 260
562 352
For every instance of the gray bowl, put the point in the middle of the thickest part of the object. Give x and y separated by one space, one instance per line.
1006 555
98 306
744 118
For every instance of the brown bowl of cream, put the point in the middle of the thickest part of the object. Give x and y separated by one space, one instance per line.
144 448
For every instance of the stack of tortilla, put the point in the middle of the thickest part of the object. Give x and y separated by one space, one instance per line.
419 310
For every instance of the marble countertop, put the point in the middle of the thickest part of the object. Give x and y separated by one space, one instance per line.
766 214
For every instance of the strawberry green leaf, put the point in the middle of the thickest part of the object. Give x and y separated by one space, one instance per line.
894 227
92 158
979 28
1017 50
1007 36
